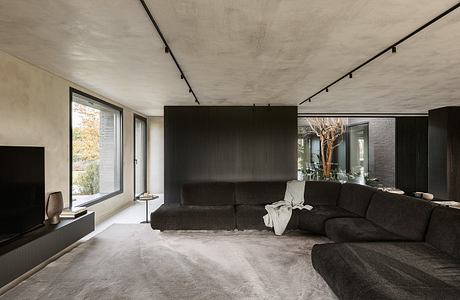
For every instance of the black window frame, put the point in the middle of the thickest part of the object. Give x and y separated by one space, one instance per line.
119 109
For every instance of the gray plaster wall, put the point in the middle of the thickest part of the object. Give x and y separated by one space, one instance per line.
34 111
155 155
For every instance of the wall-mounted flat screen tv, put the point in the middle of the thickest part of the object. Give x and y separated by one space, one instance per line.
22 190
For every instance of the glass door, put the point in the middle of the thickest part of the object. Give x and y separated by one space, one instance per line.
140 155
358 149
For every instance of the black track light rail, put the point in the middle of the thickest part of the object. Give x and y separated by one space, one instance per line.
391 48
168 49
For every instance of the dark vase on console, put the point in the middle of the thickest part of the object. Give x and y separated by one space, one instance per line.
54 207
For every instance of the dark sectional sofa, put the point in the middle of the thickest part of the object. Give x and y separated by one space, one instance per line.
386 246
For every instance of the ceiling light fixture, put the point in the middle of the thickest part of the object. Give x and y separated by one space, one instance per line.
351 75
392 48
168 49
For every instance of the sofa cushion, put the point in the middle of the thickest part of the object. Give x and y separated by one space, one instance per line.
402 215
263 192
251 217
193 217
357 230
444 230
208 193
322 192
391 270
315 219
355 198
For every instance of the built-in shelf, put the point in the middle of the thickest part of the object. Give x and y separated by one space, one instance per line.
33 248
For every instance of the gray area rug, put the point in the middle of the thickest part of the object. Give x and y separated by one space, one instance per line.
135 262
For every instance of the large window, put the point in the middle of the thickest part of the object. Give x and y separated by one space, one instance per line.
96 149
364 153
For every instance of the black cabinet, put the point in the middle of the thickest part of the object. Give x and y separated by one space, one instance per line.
35 247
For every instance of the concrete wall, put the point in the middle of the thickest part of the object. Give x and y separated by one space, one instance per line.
34 111
155 169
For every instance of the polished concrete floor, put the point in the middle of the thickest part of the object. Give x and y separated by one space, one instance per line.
133 214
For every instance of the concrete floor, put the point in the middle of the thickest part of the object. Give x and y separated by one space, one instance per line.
133 214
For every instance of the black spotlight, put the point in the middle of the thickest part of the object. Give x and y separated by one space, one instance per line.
393 49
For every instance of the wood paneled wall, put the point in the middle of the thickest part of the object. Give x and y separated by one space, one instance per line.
412 154
209 144
444 153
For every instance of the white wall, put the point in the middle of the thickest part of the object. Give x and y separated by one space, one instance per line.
155 155
34 111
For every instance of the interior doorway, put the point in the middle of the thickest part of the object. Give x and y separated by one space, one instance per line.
358 149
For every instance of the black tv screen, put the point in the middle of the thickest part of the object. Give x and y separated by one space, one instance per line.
22 190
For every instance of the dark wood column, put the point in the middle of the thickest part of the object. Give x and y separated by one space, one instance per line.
444 153
412 154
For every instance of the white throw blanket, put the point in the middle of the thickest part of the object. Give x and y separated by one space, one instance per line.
280 212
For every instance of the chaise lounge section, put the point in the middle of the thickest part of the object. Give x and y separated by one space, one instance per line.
426 269
204 206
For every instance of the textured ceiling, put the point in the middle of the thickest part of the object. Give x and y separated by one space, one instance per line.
244 52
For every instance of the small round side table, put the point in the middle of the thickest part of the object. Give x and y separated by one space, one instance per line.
146 200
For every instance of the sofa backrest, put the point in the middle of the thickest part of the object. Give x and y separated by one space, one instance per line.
355 198
322 192
208 193
444 230
402 215
259 193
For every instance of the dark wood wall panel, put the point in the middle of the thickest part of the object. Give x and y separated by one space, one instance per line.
444 153
207 143
412 154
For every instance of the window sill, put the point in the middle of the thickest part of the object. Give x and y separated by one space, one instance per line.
99 199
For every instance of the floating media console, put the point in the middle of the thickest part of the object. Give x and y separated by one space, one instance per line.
33 248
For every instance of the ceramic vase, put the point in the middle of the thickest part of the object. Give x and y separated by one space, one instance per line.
54 207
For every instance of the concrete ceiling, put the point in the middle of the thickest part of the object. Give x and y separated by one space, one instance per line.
244 52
